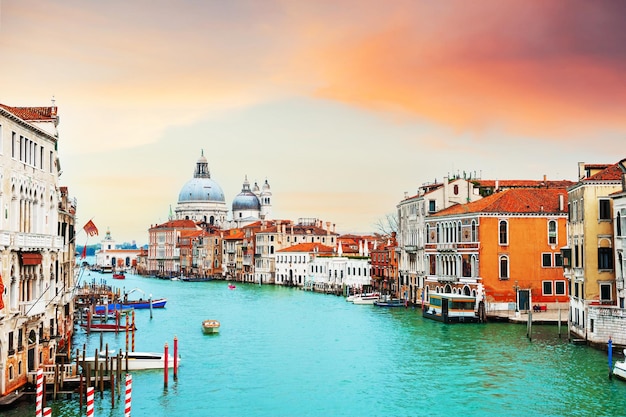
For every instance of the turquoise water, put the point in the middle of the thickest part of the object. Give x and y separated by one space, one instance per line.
287 352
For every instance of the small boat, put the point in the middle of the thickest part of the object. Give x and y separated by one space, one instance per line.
387 301
231 286
105 327
451 308
196 279
619 369
119 275
111 308
136 360
142 304
365 298
210 326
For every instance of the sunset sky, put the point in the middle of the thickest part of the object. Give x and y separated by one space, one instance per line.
343 106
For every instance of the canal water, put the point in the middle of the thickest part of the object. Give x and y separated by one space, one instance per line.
287 352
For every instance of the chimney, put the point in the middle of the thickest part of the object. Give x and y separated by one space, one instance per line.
560 202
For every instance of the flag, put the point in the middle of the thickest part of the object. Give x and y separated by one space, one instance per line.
84 254
90 228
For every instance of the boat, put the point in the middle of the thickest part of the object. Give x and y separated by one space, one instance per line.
143 304
366 298
111 308
619 369
196 279
136 360
231 286
119 275
451 308
210 326
387 301
105 327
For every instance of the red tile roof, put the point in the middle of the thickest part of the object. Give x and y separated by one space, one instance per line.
514 200
611 173
32 113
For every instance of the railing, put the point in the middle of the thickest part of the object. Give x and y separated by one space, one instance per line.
446 247
64 372
30 240
32 308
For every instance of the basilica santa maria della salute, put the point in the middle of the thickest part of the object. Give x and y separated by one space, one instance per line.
201 199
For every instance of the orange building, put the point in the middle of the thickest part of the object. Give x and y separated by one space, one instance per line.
503 249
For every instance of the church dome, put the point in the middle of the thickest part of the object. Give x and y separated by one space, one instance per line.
246 199
201 187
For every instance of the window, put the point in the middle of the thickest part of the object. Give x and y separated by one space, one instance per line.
605 209
431 206
547 287
546 260
504 267
474 231
618 223
605 258
552 232
503 232
559 287
558 259
605 292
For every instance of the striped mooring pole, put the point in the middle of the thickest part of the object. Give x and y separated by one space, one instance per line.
39 401
47 412
129 390
90 392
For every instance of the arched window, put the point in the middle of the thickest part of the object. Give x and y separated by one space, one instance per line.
503 232
552 232
504 267
618 225
474 236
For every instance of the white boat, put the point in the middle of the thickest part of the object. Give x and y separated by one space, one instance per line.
210 326
367 298
136 360
619 369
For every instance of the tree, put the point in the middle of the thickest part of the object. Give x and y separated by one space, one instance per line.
388 225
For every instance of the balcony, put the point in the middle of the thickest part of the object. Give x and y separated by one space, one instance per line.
30 241
446 247
32 308
447 279
410 248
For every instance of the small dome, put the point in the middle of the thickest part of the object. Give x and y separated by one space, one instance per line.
246 199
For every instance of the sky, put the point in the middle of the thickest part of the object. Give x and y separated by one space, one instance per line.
342 106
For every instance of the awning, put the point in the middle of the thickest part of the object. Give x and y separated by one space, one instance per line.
31 258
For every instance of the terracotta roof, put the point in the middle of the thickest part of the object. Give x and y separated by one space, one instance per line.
514 200
524 183
611 173
32 113
176 224
308 247
234 234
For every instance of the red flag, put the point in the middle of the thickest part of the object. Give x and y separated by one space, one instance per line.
84 254
90 228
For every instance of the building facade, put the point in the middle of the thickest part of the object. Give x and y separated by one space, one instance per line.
37 247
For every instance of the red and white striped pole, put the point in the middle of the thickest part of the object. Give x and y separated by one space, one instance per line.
39 401
47 412
129 390
90 392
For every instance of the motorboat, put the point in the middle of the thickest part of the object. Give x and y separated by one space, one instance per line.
366 298
619 369
231 286
136 360
451 308
119 275
210 326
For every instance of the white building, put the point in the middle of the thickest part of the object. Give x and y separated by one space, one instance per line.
337 274
37 249
109 258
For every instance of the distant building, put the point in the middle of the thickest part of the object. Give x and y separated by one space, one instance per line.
109 258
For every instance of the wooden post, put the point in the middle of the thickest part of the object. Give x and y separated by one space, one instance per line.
106 360
175 358
43 398
80 391
112 382
165 365
150 302
95 369
530 325
101 380
126 332
55 383
132 329
101 337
